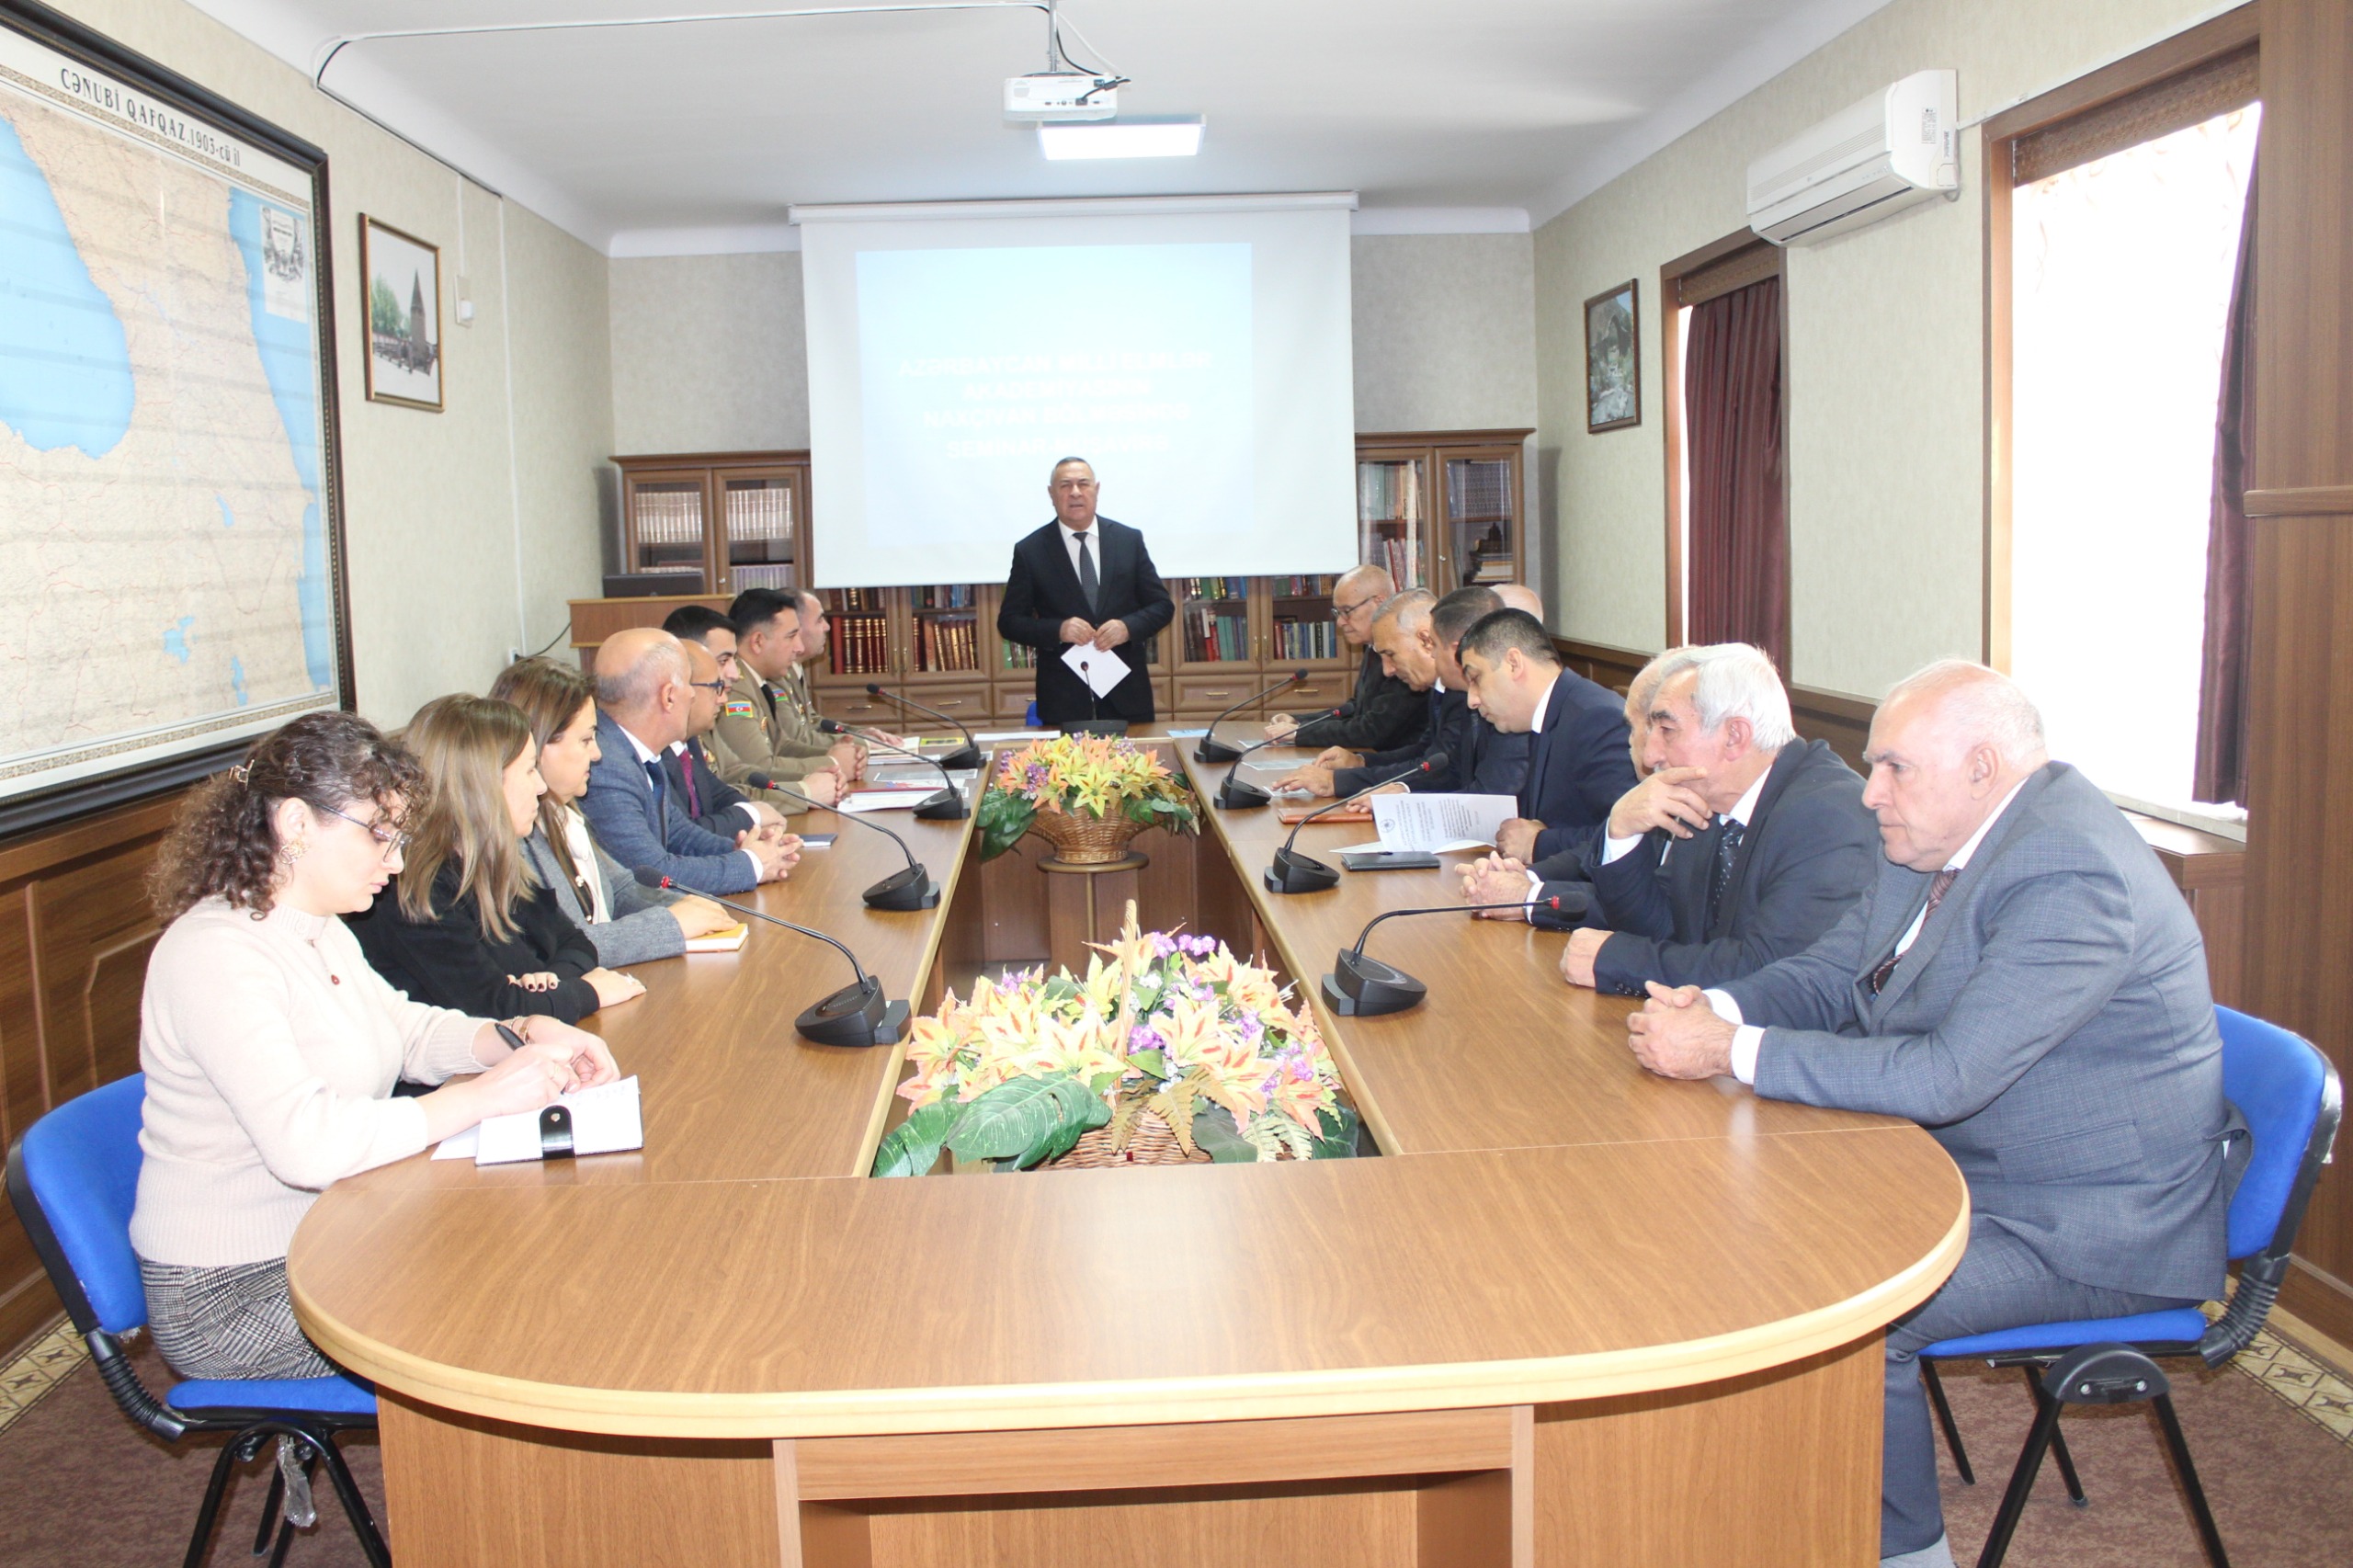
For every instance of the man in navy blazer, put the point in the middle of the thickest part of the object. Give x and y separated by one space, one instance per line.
1743 846
1577 760
644 704
1086 580
2025 981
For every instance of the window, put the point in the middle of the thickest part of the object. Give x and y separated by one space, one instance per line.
2120 269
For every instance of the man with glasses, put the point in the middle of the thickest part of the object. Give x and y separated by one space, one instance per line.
1084 581
1386 713
699 625
711 802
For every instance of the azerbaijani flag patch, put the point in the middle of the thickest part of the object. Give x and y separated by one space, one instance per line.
738 709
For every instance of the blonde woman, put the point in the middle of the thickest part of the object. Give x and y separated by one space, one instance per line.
270 1048
465 925
627 923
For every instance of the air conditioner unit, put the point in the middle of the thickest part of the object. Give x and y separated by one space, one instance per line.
1895 149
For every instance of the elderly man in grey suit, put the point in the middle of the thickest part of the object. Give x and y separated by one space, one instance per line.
2025 983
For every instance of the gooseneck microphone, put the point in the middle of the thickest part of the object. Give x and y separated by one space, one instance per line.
1214 750
1362 987
858 1014
910 888
946 805
1291 871
968 758
1235 795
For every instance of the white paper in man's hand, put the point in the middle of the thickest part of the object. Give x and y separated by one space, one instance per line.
1437 823
1099 667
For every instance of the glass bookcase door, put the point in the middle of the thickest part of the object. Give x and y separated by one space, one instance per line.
1392 520
861 643
760 511
1301 629
668 524
1481 533
945 623
1212 621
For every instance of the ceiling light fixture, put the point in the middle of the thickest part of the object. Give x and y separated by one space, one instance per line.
1139 136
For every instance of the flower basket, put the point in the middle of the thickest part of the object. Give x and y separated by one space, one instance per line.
1086 795
1172 1051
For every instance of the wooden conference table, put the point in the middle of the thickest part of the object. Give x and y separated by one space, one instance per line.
1574 1314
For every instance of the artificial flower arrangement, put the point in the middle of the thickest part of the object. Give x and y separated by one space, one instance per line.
1085 778
1171 1029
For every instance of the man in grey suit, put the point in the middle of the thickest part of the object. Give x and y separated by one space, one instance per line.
2025 983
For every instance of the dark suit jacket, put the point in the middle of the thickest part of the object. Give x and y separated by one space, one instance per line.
717 797
1808 853
1577 765
2051 1027
1041 592
622 812
1494 762
1385 715
1445 727
447 962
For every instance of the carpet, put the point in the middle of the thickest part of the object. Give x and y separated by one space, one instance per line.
2272 1435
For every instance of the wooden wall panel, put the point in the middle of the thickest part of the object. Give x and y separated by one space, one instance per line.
75 930
2299 771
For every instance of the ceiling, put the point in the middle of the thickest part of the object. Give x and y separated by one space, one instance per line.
695 136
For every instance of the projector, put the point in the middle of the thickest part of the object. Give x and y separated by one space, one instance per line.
1061 94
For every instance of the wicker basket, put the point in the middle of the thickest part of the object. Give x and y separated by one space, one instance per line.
1085 840
1149 1144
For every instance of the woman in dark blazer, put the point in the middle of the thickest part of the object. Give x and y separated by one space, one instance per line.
465 925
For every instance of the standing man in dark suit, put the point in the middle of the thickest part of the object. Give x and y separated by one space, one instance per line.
1084 581
1577 758
1743 845
2025 981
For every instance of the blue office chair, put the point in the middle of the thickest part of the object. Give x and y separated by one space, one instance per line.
72 1178
2292 1101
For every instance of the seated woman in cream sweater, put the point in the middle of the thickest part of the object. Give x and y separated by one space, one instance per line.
270 1048
626 922
466 925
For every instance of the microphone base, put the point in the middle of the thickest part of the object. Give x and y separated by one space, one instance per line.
1215 751
1360 987
957 761
857 1015
944 805
909 890
1115 728
1235 796
1290 871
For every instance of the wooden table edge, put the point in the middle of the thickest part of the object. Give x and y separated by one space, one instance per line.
1144 1400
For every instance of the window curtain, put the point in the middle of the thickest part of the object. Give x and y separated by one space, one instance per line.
2219 774
1738 549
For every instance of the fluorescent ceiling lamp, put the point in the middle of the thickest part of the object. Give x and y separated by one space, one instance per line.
1159 136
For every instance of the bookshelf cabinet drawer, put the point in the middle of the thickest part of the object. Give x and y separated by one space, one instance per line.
1013 701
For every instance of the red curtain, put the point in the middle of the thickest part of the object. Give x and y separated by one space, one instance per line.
1738 551
2220 774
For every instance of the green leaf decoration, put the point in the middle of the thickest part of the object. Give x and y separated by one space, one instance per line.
1153 1062
913 1147
1340 1137
1016 1119
1213 1131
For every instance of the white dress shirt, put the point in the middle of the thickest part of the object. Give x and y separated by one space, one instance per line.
645 754
583 848
1071 538
1747 1037
1743 812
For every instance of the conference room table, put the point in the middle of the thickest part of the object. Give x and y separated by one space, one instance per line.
1571 1312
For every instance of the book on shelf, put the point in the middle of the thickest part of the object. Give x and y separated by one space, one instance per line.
947 643
1479 488
1388 491
1308 587
1019 657
669 517
947 596
762 576
761 512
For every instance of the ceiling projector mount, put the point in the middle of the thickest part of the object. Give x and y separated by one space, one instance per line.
1062 91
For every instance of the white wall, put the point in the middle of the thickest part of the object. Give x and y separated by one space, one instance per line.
433 525
1885 352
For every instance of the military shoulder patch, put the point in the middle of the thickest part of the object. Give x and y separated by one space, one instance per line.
738 709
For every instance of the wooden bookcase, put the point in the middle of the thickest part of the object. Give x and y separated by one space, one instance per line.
1444 507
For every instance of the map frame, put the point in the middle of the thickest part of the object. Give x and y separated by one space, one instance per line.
152 102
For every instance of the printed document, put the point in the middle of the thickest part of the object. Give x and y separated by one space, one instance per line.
605 1121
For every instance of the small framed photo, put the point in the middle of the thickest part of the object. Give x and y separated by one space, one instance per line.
403 317
1613 359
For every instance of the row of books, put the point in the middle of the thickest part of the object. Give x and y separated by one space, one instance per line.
1478 489
1389 490
764 513
1306 639
669 517
1213 637
948 596
947 643
859 601
1310 587
1402 557
761 576
1210 587
1017 656
861 645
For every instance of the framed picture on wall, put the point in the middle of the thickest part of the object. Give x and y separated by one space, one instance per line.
1613 361
403 319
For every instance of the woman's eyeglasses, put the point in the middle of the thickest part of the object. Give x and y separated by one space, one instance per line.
386 833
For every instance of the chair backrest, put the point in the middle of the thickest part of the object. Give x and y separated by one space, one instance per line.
2291 1100
73 1177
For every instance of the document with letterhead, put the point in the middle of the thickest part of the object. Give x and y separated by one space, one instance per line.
1438 823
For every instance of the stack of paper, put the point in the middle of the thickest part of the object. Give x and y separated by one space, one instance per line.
1438 824
725 941
605 1121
